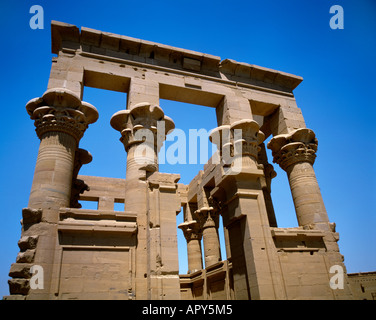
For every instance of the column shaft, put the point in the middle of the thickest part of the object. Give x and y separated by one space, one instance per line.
53 172
296 154
193 235
209 223
142 137
212 251
309 206
194 255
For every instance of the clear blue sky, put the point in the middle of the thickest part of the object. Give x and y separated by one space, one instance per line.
336 97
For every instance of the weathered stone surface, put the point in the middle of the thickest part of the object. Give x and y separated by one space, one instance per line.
28 242
19 286
30 216
15 297
132 253
20 270
26 256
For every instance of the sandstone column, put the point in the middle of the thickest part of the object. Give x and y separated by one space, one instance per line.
61 119
296 153
193 235
209 220
256 271
143 129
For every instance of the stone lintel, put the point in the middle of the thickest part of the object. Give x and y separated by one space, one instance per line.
109 44
85 228
103 187
60 32
284 233
87 214
166 182
83 220
246 70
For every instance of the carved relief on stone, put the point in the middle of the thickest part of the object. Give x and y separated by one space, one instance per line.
298 146
59 109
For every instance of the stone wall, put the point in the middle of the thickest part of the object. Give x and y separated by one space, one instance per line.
363 285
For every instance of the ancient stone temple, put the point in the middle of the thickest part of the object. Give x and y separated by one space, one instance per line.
133 254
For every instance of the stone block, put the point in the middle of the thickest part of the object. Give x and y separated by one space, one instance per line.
191 64
26 256
30 216
19 286
28 242
20 270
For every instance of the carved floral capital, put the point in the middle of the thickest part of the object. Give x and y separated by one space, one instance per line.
59 109
142 116
242 138
207 217
298 146
191 230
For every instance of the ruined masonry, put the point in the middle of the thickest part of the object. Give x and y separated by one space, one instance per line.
133 254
